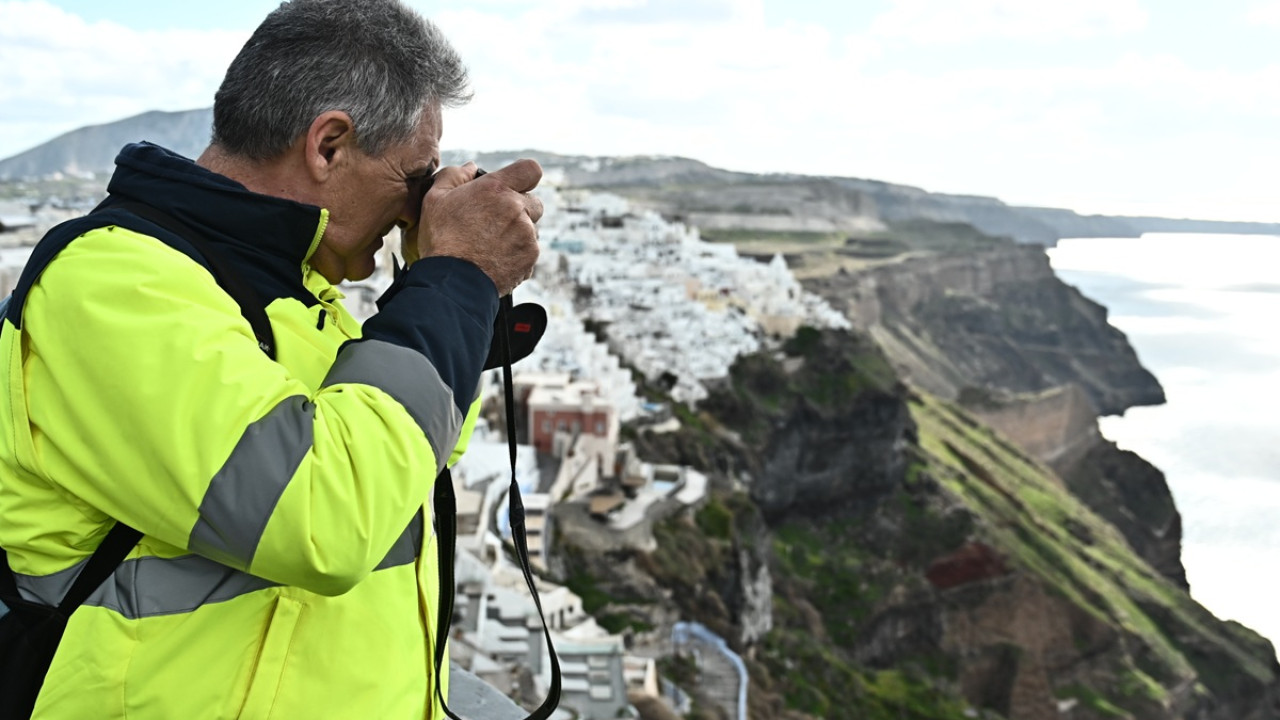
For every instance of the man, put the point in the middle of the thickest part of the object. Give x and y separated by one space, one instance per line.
288 567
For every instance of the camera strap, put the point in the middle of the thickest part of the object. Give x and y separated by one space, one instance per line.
446 519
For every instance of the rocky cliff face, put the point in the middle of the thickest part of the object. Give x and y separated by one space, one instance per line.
1055 425
938 572
997 318
1098 624
1132 495
920 563
831 427
1059 427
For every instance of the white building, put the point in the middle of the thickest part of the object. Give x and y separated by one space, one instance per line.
675 307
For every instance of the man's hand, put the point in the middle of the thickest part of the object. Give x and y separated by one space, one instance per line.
488 221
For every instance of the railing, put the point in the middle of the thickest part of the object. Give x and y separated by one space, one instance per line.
683 631
469 696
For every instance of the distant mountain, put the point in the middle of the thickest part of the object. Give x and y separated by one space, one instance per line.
93 149
675 186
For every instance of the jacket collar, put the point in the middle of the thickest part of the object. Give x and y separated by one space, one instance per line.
227 210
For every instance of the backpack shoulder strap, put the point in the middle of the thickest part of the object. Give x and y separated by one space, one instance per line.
110 554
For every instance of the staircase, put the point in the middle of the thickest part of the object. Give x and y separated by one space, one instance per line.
722 674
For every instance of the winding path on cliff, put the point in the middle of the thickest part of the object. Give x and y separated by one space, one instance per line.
720 678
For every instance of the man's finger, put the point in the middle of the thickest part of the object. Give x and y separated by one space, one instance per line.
533 206
521 175
451 177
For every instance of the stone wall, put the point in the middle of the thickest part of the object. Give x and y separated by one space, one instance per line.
1048 425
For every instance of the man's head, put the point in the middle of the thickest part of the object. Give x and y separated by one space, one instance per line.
376 60
341 99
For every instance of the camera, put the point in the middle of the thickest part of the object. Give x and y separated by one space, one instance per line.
421 186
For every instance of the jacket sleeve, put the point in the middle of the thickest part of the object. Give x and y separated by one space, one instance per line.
151 403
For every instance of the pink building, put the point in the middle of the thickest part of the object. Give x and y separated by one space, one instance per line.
574 408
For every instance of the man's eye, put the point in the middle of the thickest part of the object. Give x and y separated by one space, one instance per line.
419 184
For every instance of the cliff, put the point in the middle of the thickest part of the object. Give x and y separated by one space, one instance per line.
949 575
989 325
926 503
995 318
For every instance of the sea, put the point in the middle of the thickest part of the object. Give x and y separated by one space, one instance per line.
1203 314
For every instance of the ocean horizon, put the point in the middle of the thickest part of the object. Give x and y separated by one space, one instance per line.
1201 312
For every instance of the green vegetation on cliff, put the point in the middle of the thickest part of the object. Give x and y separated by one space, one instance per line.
1028 515
821 594
918 564
896 588
829 583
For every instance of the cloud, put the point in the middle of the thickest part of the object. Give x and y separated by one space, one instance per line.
957 21
714 76
59 72
766 97
747 93
684 12
1264 13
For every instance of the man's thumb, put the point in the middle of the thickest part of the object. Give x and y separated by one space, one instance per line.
521 175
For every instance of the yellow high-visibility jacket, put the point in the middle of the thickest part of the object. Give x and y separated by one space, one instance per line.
288 566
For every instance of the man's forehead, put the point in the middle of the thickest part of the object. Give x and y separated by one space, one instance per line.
422 149
432 123
430 129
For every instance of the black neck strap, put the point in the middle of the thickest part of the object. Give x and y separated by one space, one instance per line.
446 516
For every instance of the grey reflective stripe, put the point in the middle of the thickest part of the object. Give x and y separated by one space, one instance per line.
407 546
147 587
412 380
48 589
152 586
243 494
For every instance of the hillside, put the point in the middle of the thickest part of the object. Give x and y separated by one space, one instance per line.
877 553
93 149
678 187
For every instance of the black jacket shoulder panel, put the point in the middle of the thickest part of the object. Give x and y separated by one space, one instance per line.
63 234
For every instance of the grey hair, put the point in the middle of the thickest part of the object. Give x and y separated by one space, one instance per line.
377 60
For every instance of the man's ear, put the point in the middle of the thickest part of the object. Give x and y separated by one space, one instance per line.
329 145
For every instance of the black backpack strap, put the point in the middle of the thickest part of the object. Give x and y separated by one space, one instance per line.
8 585
110 554
250 302
121 538
36 629
446 516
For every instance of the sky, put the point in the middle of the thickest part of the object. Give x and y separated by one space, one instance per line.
1164 108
